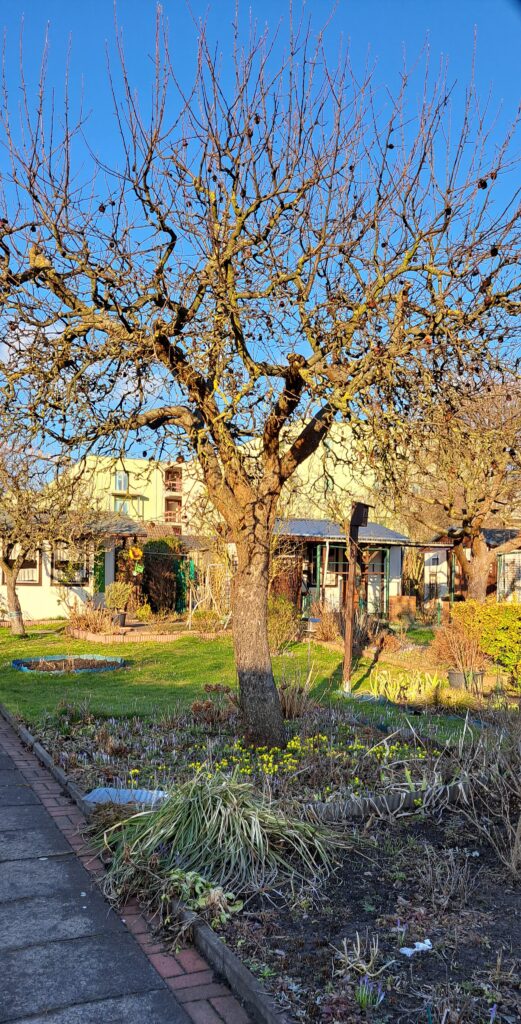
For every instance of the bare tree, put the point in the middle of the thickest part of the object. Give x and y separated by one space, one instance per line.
39 505
278 246
462 475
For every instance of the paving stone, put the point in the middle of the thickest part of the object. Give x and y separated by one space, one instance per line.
11 777
230 1010
148 1008
50 918
23 816
188 995
25 878
18 796
202 1013
58 974
42 841
6 763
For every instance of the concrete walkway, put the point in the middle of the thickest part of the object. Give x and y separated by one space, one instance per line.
65 956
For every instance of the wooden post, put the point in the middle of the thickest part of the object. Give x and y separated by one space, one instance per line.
349 611
358 518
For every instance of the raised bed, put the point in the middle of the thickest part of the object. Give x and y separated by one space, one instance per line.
60 664
131 637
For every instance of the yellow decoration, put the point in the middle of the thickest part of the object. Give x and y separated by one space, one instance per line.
135 554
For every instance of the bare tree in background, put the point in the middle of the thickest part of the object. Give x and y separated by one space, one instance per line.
462 474
277 247
39 506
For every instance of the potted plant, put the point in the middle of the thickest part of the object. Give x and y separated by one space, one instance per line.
117 596
460 650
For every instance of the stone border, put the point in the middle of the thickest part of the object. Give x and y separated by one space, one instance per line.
242 982
132 637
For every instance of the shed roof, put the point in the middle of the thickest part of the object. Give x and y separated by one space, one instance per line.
494 536
117 525
327 529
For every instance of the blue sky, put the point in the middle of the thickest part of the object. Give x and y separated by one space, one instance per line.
378 30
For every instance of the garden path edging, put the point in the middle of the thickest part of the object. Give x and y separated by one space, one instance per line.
127 638
242 982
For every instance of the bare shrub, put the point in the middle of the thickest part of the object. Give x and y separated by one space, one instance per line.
329 627
445 880
365 631
220 705
295 697
457 647
492 794
90 619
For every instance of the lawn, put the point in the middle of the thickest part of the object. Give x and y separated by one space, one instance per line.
157 678
160 677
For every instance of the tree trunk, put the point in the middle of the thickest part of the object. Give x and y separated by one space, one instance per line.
476 570
477 578
259 700
13 604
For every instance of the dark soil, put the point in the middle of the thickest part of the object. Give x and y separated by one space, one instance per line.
70 664
385 890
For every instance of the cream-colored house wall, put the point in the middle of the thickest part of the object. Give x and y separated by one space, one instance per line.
45 600
146 489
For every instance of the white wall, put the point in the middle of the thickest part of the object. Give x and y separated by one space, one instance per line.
45 600
437 571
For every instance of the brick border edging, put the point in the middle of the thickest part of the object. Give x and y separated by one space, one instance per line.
242 982
127 638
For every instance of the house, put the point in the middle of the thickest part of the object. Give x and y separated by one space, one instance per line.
312 554
443 575
146 490
48 585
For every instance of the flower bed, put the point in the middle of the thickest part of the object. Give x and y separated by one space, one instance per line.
331 758
332 952
61 663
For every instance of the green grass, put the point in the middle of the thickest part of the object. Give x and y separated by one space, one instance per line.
422 635
158 677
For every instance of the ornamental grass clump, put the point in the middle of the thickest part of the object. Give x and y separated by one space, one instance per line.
221 828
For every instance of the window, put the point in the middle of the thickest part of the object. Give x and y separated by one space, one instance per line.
69 566
137 507
173 479
121 506
121 481
172 510
30 572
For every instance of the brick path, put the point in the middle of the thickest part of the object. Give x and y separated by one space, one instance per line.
65 956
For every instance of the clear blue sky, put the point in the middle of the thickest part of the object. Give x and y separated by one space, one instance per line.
378 29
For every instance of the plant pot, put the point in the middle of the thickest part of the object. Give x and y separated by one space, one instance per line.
119 618
456 679
464 680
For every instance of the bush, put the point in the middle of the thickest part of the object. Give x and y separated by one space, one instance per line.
117 596
496 626
163 579
206 620
218 826
328 627
295 697
283 623
144 612
91 619
458 647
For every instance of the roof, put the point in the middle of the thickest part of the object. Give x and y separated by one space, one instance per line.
493 536
496 537
327 529
117 525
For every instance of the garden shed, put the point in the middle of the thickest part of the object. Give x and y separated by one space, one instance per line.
312 554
